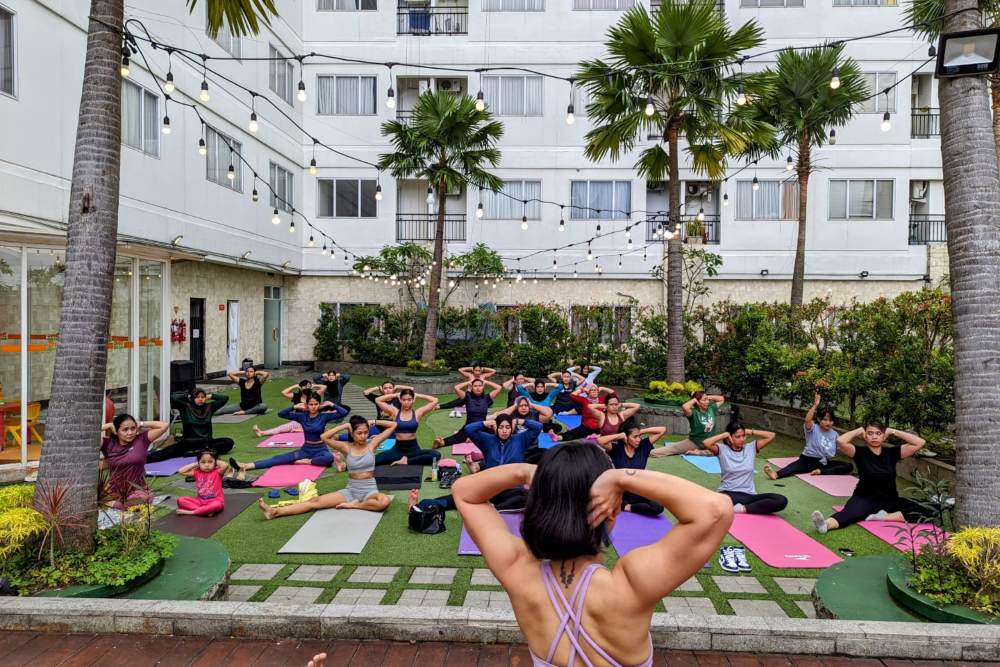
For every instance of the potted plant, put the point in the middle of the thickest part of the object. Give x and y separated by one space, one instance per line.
417 368
695 232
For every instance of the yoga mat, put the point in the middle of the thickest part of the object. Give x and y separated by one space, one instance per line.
292 440
463 448
232 419
569 421
897 533
288 475
780 544
841 486
545 441
466 547
398 478
635 530
206 526
168 467
333 531
386 445
709 464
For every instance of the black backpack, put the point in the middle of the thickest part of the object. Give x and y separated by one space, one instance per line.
428 520
447 476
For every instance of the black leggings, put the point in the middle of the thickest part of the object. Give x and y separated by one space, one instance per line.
509 499
187 447
411 450
806 464
641 505
761 503
579 432
859 507
456 438
456 403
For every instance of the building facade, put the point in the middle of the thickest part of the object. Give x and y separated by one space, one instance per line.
204 273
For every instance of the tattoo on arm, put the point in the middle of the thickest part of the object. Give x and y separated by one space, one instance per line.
630 472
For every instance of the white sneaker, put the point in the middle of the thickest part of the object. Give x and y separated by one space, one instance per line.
878 516
727 560
741 559
819 522
739 508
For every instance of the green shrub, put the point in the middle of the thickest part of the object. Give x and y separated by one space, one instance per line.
327 334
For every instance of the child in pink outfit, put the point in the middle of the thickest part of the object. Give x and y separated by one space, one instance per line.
207 473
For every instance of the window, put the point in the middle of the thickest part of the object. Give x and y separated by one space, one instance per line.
229 42
513 95
600 200
602 4
763 4
272 292
497 206
347 198
513 5
774 200
865 3
861 199
281 74
346 96
6 52
611 324
877 82
511 322
281 183
223 151
140 119
346 5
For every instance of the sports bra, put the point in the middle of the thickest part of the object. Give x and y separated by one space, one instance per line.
406 425
607 428
363 463
570 614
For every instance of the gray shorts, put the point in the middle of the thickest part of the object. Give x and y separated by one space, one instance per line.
360 490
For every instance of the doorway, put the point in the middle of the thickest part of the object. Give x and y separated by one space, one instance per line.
272 326
233 336
197 310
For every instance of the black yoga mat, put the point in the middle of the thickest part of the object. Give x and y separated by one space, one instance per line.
206 526
399 478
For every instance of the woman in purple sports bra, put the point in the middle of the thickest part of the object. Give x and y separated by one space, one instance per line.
569 606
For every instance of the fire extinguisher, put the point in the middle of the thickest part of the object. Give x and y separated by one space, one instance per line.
182 330
175 330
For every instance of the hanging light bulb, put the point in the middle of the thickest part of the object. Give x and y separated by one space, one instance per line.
124 70
628 245
570 118
430 195
480 102
590 255
275 218
203 95
886 123
479 210
755 184
650 109
312 243
562 225
312 167
390 98
231 174
619 261
202 148
835 79
524 222
575 274
323 251
166 125
291 226
628 233
741 96
254 196
378 192
168 85
788 164
253 125
725 199
701 214
301 95
534 279
833 136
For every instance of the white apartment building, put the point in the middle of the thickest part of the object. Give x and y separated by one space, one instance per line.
196 250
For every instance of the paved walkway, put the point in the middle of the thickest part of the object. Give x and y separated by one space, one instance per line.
26 648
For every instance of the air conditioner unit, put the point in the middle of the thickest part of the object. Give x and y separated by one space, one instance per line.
918 190
450 85
695 190
411 84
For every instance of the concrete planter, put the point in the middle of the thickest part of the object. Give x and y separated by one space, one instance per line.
106 591
897 579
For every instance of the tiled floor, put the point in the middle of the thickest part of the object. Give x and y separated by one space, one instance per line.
319 573
487 599
689 605
367 574
295 594
433 575
742 584
757 608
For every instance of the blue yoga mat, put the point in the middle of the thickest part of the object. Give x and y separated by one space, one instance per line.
569 421
545 441
709 464
387 444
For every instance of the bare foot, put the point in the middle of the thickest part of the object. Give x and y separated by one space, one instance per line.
817 471
412 499
438 442
473 466
265 508
555 437
239 413
304 462
338 462
350 505
769 471
319 660
180 511
627 508
257 431
401 462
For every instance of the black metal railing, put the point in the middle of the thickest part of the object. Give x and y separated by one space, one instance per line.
404 115
658 225
421 226
927 228
925 124
424 20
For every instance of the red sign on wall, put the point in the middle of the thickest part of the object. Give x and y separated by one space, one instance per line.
222 306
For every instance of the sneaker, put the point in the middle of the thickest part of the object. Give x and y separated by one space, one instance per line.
878 516
727 560
741 559
819 522
739 508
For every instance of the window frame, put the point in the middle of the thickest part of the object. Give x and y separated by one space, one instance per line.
620 6
233 39
359 9
495 106
333 206
755 4
142 116
880 3
783 216
13 53
584 214
319 77
237 183
272 75
879 105
531 215
847 200
513 11
273 169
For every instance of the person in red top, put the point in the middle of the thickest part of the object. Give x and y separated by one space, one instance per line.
207 473
124 448
590 394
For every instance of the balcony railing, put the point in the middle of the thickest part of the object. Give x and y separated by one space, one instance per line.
420 226
927 228
925 124
404 115
658 224
424 20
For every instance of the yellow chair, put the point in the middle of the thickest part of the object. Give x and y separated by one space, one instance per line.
14 427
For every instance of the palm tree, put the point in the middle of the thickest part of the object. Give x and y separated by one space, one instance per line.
446 141
803 107
674 63
972 215
69 457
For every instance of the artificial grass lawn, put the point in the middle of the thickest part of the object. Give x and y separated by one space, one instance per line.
249 538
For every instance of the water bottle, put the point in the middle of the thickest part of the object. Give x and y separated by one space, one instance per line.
434 471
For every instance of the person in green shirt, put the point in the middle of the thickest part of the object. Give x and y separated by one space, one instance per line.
702 414
196 410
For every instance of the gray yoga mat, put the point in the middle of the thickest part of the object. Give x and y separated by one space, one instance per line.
232 419
333 531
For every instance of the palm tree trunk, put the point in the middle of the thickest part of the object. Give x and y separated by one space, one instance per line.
972 216
70 455
675 268
799 270
995 99
434 286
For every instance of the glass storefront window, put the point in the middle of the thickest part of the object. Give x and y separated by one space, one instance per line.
10 352
150 341
46 273
120 343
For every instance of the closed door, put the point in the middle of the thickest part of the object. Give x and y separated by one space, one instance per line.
272 327
197 311
233 336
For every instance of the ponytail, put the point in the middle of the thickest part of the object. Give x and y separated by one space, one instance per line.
734 424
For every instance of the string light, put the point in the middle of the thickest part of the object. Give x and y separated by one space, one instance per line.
701 214
312 162
886 123
480 102
430 195
168 84
524 222
479 210
231 174
788 164
725 199
301 95
562 221
202 148
312 243
650 109
755 184
590 255
835 79
741 96
124 70
275 219
203 95
166 125
291 226
390 98
833 136
255 197
253 125
570 118
323 251
378 192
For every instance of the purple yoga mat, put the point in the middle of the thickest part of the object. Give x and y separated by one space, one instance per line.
634 530
168 467
466 547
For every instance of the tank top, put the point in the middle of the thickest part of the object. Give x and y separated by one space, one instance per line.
406 425
208 484
607 428
477 407
250 396
363 463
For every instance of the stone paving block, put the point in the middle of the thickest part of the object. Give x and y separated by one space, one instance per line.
738 584
692 585
317 573
689 605
483 577
237 593
807 608
433 575
796 585
487 600
757 608
295 594
257 571
268 620
418 597
370 574
359 596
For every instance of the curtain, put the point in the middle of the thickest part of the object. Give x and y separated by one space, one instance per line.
623 200
744 200
532 96
366 104
513 5
347 96
886 79
533 190
578 200
272 71
767 201
6 52
132 114
511 96
860 199
790 201
326 5
581 4
601 199
150 123
212 155
883 200
603 4
237 183
838 200
871 82
325 186
325 95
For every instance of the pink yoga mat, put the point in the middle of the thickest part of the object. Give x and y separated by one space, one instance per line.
841 486
463 448
292 440
466 547
632 531
778 543
290 475
898 533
